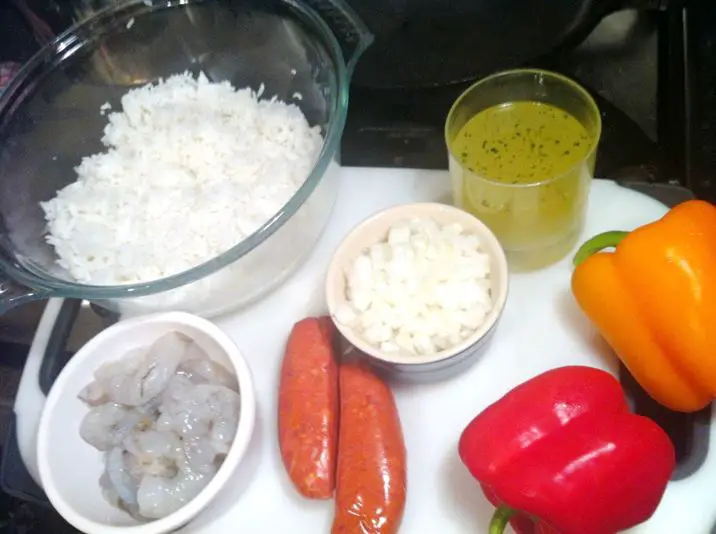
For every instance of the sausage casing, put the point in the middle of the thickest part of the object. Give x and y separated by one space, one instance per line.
371 474
308 408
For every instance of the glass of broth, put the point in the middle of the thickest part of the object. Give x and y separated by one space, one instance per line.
522 146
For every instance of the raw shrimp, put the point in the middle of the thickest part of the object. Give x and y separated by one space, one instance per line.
202 410
159 497
105 426
141 375
108 491
164 357
154 452
201 454
120 475
116 379
93 394
203 370
166 416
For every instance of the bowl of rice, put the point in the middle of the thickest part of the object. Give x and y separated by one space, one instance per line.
419 289
174 155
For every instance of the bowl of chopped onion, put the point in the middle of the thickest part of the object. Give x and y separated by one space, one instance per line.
418 288
146 425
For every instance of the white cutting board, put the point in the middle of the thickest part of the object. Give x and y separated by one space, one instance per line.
541 328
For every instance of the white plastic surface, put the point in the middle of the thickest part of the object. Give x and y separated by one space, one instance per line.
541 328
30 400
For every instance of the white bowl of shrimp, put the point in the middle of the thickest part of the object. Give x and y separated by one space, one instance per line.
145 425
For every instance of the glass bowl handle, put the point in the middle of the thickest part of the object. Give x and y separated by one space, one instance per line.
13 294
353 35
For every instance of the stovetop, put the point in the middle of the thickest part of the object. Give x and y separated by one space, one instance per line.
404 128
655 128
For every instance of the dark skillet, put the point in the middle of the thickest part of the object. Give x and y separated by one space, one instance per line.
423 43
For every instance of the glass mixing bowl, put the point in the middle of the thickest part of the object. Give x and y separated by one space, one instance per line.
50 118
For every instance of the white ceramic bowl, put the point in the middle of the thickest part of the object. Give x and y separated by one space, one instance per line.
410 367
70 468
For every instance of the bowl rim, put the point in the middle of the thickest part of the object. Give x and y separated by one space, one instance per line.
496 253
242 439
116 18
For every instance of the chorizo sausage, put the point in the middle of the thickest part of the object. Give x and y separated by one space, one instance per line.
371 472
308 408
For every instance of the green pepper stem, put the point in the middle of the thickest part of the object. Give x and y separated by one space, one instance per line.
597 243
500 518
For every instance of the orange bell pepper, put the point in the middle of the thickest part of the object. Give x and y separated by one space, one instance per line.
654 301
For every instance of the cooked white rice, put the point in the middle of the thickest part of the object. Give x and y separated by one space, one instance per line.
191 169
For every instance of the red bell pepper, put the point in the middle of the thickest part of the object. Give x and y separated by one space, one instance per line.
561 453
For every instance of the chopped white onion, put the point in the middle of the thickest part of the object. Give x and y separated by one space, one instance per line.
424 289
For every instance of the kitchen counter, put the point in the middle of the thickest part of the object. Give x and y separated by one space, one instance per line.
617 62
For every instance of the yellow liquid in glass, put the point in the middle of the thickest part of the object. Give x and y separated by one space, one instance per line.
524 169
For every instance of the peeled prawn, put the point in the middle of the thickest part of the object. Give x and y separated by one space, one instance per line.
93 394
159 497
166 417
161 364
105 426
108 491
120 476
203 410
116 379
154 452
202 370
141 375
201 454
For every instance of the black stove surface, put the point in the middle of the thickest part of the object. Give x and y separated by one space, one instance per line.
617 64
402 128
651 74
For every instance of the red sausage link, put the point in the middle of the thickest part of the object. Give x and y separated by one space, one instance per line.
371 473
308 408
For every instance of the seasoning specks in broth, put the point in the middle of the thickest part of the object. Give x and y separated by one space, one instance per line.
522 142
